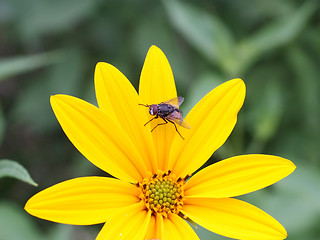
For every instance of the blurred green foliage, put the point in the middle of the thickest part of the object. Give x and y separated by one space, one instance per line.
9 168
49 47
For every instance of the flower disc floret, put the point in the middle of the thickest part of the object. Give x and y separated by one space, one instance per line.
162 193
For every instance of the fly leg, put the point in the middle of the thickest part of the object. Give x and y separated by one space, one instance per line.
150 120
159 123
175 128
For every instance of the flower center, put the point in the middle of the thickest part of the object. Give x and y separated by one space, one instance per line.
162 193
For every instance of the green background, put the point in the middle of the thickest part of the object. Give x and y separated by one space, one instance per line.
49 47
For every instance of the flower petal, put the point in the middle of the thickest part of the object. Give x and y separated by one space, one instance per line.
157 85
238 175
173 227
211 121
233 218
83 201
176 228
117 97
98 138
130 223
155 229
102 95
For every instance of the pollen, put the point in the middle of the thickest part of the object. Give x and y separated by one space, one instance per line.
162 193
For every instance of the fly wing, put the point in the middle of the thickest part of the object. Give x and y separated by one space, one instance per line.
184 124
176 117
176 102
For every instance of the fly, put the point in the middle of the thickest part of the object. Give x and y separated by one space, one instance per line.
168 111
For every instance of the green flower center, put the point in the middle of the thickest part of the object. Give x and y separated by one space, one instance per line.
162 194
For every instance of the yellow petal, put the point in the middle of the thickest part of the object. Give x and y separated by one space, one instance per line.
117 96
151 233
171 228
176 228
99 138
155 229
238 175
211 121
157 85
102 95
233 218
130 223
83 201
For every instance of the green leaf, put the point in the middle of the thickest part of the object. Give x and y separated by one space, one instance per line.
50 17
2 124
307 99
276 34
204 31
307 86
60 232
198 89
16 224
9 168
63 77
268 112
16 65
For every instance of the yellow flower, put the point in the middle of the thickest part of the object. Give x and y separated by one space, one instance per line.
149 198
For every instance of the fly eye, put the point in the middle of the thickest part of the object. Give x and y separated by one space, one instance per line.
153 110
